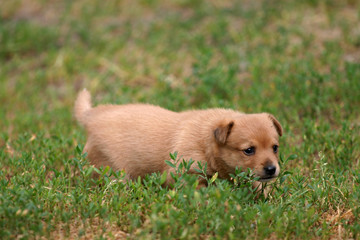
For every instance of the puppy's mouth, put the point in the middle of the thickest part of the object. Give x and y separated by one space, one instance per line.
267 179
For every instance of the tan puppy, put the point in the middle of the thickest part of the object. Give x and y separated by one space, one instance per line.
138 138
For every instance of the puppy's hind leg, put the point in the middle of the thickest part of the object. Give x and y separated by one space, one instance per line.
96 158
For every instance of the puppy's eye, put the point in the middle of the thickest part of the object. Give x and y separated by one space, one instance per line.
249 151
275 148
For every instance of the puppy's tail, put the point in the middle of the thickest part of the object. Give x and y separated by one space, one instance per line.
82 105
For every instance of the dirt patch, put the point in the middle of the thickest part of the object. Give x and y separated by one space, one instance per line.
90 230
32 10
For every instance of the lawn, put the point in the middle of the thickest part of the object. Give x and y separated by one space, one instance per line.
299 60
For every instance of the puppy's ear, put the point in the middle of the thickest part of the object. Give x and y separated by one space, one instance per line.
222 131
276 124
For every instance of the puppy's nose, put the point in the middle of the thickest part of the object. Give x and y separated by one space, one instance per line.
270 170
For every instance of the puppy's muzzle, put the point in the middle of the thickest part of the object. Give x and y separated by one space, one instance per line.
270 170
269 173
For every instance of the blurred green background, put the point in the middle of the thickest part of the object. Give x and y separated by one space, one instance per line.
299 60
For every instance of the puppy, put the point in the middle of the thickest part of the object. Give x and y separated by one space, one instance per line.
138 138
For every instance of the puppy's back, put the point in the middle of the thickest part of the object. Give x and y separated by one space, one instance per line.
134 137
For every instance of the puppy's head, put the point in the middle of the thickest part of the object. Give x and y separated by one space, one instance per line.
249 141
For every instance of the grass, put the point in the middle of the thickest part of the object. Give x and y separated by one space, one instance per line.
298 60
